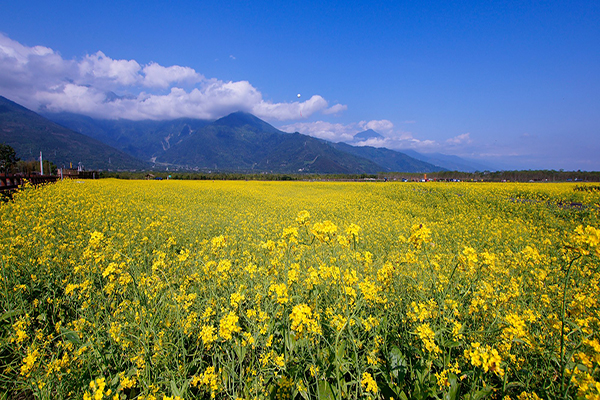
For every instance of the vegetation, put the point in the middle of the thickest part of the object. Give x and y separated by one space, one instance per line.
203 176
514 176
8 158
500 176
29 167
243 290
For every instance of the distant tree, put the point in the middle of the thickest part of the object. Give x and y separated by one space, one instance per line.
28 167
8 158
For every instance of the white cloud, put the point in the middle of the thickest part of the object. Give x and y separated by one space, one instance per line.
71 97
24 70
383 126
289 111
156 75
402 140
12 49
392 139
39 78
465 138
335 109
323 130
345 133
97 68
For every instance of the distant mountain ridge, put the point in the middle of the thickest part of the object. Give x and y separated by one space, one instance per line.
389 159
237 142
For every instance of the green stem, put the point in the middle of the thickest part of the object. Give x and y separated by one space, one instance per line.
563 362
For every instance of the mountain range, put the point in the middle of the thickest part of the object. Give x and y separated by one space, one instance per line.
239 142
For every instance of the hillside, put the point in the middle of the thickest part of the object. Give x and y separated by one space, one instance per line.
29 133
243 142
301 153
141 139
390 160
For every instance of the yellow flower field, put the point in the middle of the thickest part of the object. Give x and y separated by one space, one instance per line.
298 290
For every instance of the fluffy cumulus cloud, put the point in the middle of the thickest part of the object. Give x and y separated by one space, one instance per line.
101 70
156 75
99 86
288 111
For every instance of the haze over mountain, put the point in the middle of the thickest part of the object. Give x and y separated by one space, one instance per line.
453 163
393 159
29 133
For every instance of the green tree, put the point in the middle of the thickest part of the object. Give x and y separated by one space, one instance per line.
8 158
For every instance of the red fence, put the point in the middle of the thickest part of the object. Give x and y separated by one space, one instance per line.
11 182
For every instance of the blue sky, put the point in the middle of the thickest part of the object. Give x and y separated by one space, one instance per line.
512 84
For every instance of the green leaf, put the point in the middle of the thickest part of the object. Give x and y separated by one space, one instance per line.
514 384
340 351
304 393
454 390
71 336
175 391
396 360
10 314
240 351
325 391
451 344
290 341
483 393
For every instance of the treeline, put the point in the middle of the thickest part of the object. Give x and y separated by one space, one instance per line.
486 176
29 167
11 164
514 176
232 176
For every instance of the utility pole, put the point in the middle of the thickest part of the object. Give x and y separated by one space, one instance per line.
41 164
